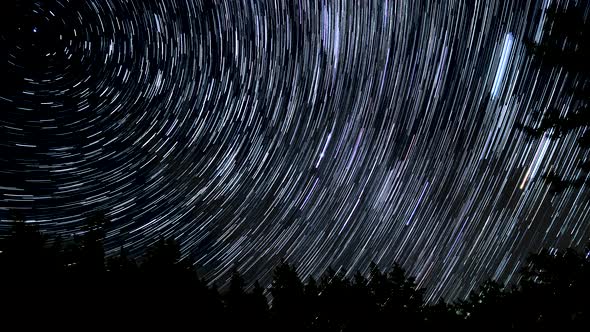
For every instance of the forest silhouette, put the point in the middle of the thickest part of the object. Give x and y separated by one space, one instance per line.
66 279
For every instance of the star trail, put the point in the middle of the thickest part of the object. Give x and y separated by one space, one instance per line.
330 133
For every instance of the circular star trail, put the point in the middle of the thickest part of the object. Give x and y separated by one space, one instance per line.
330 133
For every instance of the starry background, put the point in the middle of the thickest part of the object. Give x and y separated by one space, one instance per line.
330 133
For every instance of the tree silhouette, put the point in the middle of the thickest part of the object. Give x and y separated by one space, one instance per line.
235 300
163 265
555 287
257 308
122 269
489 305
441 315
245 310
311 294
23 253
565 45
363 307
334 298
288 300
92 256
397 297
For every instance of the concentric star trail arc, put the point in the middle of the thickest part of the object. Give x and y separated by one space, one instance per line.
328 133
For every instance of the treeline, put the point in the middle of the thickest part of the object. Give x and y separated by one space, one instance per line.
65 279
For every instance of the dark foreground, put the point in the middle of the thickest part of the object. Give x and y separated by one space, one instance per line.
52 283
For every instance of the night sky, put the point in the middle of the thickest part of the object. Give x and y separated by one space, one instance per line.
330 133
